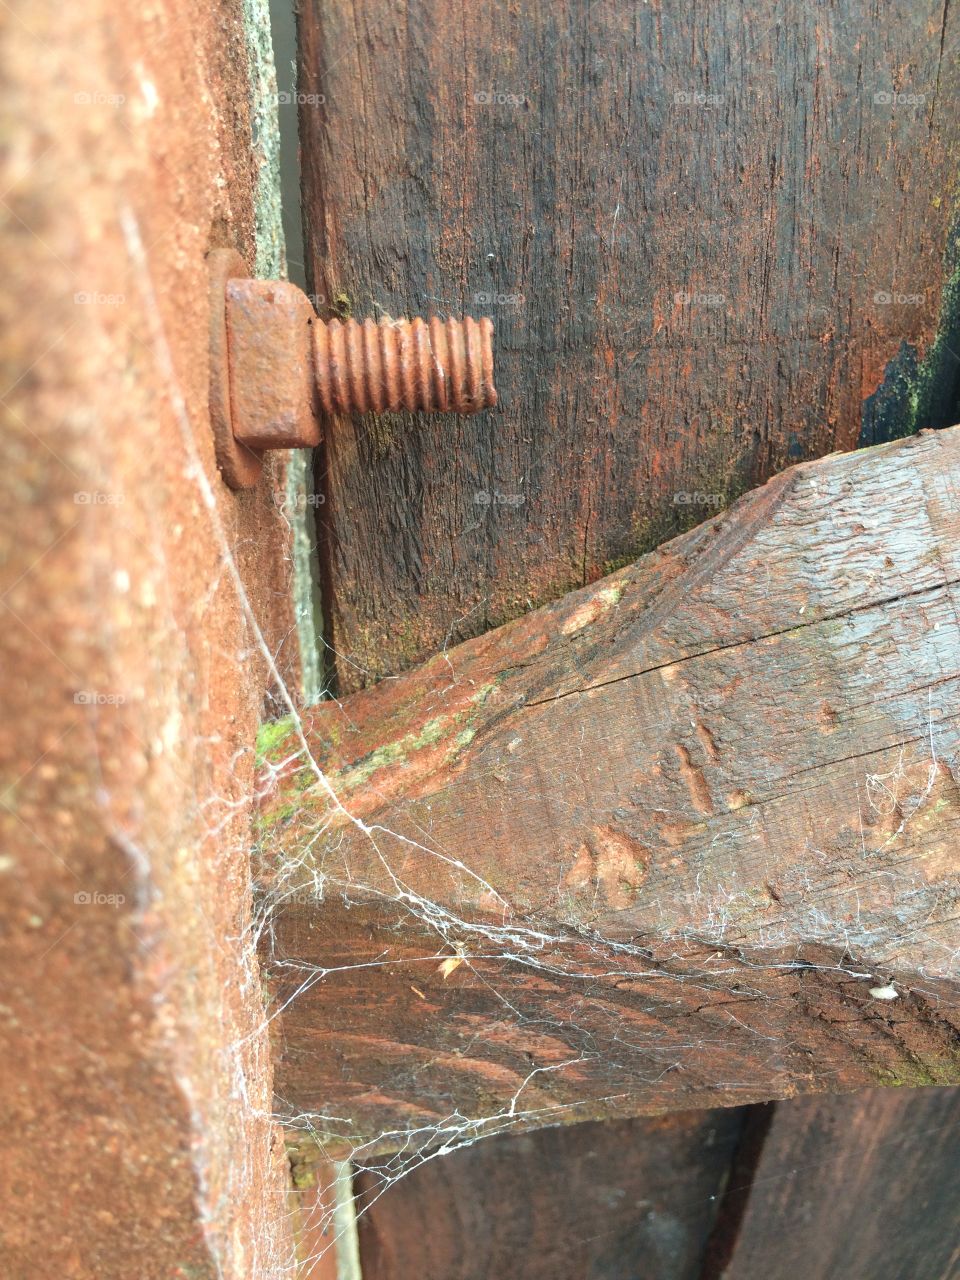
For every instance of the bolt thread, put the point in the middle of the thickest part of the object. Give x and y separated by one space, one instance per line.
440 366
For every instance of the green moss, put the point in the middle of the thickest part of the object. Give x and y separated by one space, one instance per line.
384 431
272 739
614 566
609 596
906 1077
918 1074
928 389
269 820
303 1176
342 305
485 690
393 752
721 479
831 628
310 1150
434 731
406 648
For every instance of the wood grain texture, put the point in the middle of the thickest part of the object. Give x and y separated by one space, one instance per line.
861 1187
713 242
671 833
591 1202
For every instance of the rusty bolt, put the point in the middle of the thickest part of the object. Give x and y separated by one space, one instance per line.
444 366
275 367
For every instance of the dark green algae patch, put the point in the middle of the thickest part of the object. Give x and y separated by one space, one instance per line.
922 392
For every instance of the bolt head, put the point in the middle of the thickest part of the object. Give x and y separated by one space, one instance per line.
272 391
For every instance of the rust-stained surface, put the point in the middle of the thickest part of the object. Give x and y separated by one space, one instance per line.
708 235
239 465
272 389
684 838
135 1083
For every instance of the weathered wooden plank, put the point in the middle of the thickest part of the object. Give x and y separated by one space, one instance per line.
862 1186
713 242
627 1198
658 845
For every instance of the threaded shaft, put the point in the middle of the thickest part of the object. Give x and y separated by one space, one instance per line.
444 366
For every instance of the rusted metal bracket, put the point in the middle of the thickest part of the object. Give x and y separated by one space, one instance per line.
275 367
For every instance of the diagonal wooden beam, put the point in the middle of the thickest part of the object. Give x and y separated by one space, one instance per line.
686 837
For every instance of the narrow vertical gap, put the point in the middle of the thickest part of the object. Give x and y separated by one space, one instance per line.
325 533
284 29
736 1196
305 499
